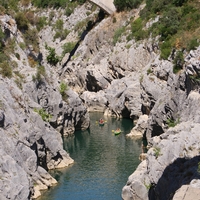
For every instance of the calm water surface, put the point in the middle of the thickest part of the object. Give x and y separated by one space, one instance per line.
102 165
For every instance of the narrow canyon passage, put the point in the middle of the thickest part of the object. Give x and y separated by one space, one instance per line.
102 165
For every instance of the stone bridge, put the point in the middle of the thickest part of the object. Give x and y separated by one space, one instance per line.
106 5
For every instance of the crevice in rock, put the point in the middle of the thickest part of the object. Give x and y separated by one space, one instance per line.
125 113
40 151
91 83
89 27
157 130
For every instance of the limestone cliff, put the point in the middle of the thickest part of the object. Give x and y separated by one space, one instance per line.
35 112
170 169
78 66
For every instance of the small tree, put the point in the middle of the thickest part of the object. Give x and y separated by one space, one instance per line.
63 89
52 58
178 62
5 69
45 116
22 21
2 37
126 4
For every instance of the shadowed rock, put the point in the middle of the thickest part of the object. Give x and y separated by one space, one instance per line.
2 118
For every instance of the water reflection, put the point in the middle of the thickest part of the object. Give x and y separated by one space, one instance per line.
102 165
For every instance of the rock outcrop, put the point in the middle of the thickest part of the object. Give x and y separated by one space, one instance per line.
172 161
34 115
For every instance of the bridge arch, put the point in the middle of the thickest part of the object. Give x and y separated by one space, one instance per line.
107 5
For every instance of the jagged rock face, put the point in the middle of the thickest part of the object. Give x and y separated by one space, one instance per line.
123 97
171 162
98 65
173 159
125 80
66 116
15 184
29 145
138 130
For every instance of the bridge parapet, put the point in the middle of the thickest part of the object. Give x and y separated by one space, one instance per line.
106 5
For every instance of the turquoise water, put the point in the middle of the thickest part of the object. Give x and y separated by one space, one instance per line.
102 165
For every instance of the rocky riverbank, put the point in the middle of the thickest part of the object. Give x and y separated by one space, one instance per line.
42 102
171 167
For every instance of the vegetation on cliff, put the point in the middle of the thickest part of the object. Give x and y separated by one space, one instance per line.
173 23
126 4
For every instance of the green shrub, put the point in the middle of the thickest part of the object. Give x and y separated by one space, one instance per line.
114 20
137 30
165 48
51 16
5 69
10 46
41 22
195 78
70 7
2 10
126 4
22 21
149 71
3 57
68 11
59 24
157 151
2 37
63 89
118 33
10 5
178 62
22 45
30 17
192 44
45 116
52 57
128 46
61 34
148 186
55 3
25 2
169 23
39 74
172 122
178 19
18 82
81 25
31 38
68 47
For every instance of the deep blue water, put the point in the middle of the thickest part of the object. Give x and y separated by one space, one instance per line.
102 165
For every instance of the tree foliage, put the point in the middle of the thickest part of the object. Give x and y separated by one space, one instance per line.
22 21
52 58
126 4
54 3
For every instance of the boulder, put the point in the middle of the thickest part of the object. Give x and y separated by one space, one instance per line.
139 128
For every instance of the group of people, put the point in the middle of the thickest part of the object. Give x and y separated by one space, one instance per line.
101 121
118 130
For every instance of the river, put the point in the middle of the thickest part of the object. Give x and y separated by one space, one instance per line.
102 164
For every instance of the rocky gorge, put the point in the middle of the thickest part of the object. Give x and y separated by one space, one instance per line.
123 79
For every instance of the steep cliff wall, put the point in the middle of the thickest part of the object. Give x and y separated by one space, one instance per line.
35 112
87 62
